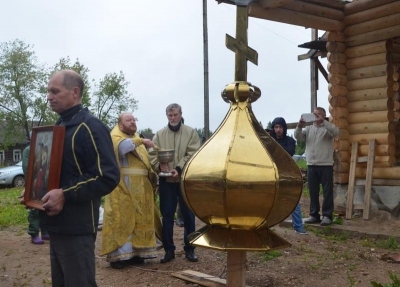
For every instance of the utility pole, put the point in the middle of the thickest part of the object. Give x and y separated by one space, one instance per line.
206 83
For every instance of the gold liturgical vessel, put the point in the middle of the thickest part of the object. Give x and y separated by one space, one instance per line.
241 182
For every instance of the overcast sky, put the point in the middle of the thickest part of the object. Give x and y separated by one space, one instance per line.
159 47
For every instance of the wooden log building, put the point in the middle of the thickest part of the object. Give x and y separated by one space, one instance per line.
362 45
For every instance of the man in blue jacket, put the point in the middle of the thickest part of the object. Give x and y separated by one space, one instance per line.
89 171
279 133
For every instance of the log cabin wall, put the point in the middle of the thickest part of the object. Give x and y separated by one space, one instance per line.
363 67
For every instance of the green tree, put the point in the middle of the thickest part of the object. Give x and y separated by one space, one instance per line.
146 131
22 86
201 134
300 147
111 98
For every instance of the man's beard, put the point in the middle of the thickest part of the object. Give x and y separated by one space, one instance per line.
174 124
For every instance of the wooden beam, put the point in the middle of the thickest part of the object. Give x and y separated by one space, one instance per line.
372 25
374 13
271 4
314 9
369 49
369 60
311 54
335 4
369 94
370 117
357 6
373 36
370 72
295 18
199 278
321 69
236 270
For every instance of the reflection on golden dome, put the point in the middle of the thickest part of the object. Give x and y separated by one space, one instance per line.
241 182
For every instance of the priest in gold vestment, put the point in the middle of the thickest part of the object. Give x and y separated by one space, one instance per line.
129 233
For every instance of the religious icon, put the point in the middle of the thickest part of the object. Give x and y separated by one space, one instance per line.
44 165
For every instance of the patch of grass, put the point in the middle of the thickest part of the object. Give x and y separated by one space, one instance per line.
337 220
390 243
327 233
352 281
395 281
302 164
271 255
12 213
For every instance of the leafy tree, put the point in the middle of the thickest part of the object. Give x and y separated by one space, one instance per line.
269 125
300 147
146 131
22 83
111 98
201 134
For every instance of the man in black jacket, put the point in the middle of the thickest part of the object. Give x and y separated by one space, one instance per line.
279 133
88 171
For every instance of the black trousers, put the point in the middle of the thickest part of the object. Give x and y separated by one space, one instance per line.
323 175
72 260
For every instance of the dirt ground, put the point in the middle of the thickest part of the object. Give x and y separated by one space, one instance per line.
310 261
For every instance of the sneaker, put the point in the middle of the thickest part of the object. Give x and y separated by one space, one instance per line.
36 240
301 231
312 220
326 221
45 237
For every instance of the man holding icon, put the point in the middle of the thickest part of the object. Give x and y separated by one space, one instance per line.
319 155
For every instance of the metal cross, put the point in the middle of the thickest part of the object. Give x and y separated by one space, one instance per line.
239 45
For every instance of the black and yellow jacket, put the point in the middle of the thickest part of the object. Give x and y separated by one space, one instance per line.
89 171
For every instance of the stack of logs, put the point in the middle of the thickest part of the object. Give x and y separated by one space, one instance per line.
364 87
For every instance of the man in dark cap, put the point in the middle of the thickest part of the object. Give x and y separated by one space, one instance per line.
278 132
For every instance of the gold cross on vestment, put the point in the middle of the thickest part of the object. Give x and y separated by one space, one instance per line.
239 45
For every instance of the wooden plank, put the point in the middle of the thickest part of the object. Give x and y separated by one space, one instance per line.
352 178
295 18
368 184
200 278
380 182
358 6
271 4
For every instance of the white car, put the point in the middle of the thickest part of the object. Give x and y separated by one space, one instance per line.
12 175
298 157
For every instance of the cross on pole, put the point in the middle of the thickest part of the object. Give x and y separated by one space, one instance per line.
240 45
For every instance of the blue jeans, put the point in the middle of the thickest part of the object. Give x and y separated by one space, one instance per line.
170 194
297 220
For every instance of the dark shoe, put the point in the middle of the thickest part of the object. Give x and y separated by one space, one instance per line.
135 261
118 264
312 220
36 240
168 256
179 222
45 237
190 256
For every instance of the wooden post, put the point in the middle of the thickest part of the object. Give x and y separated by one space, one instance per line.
236 268
352 180
313 75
